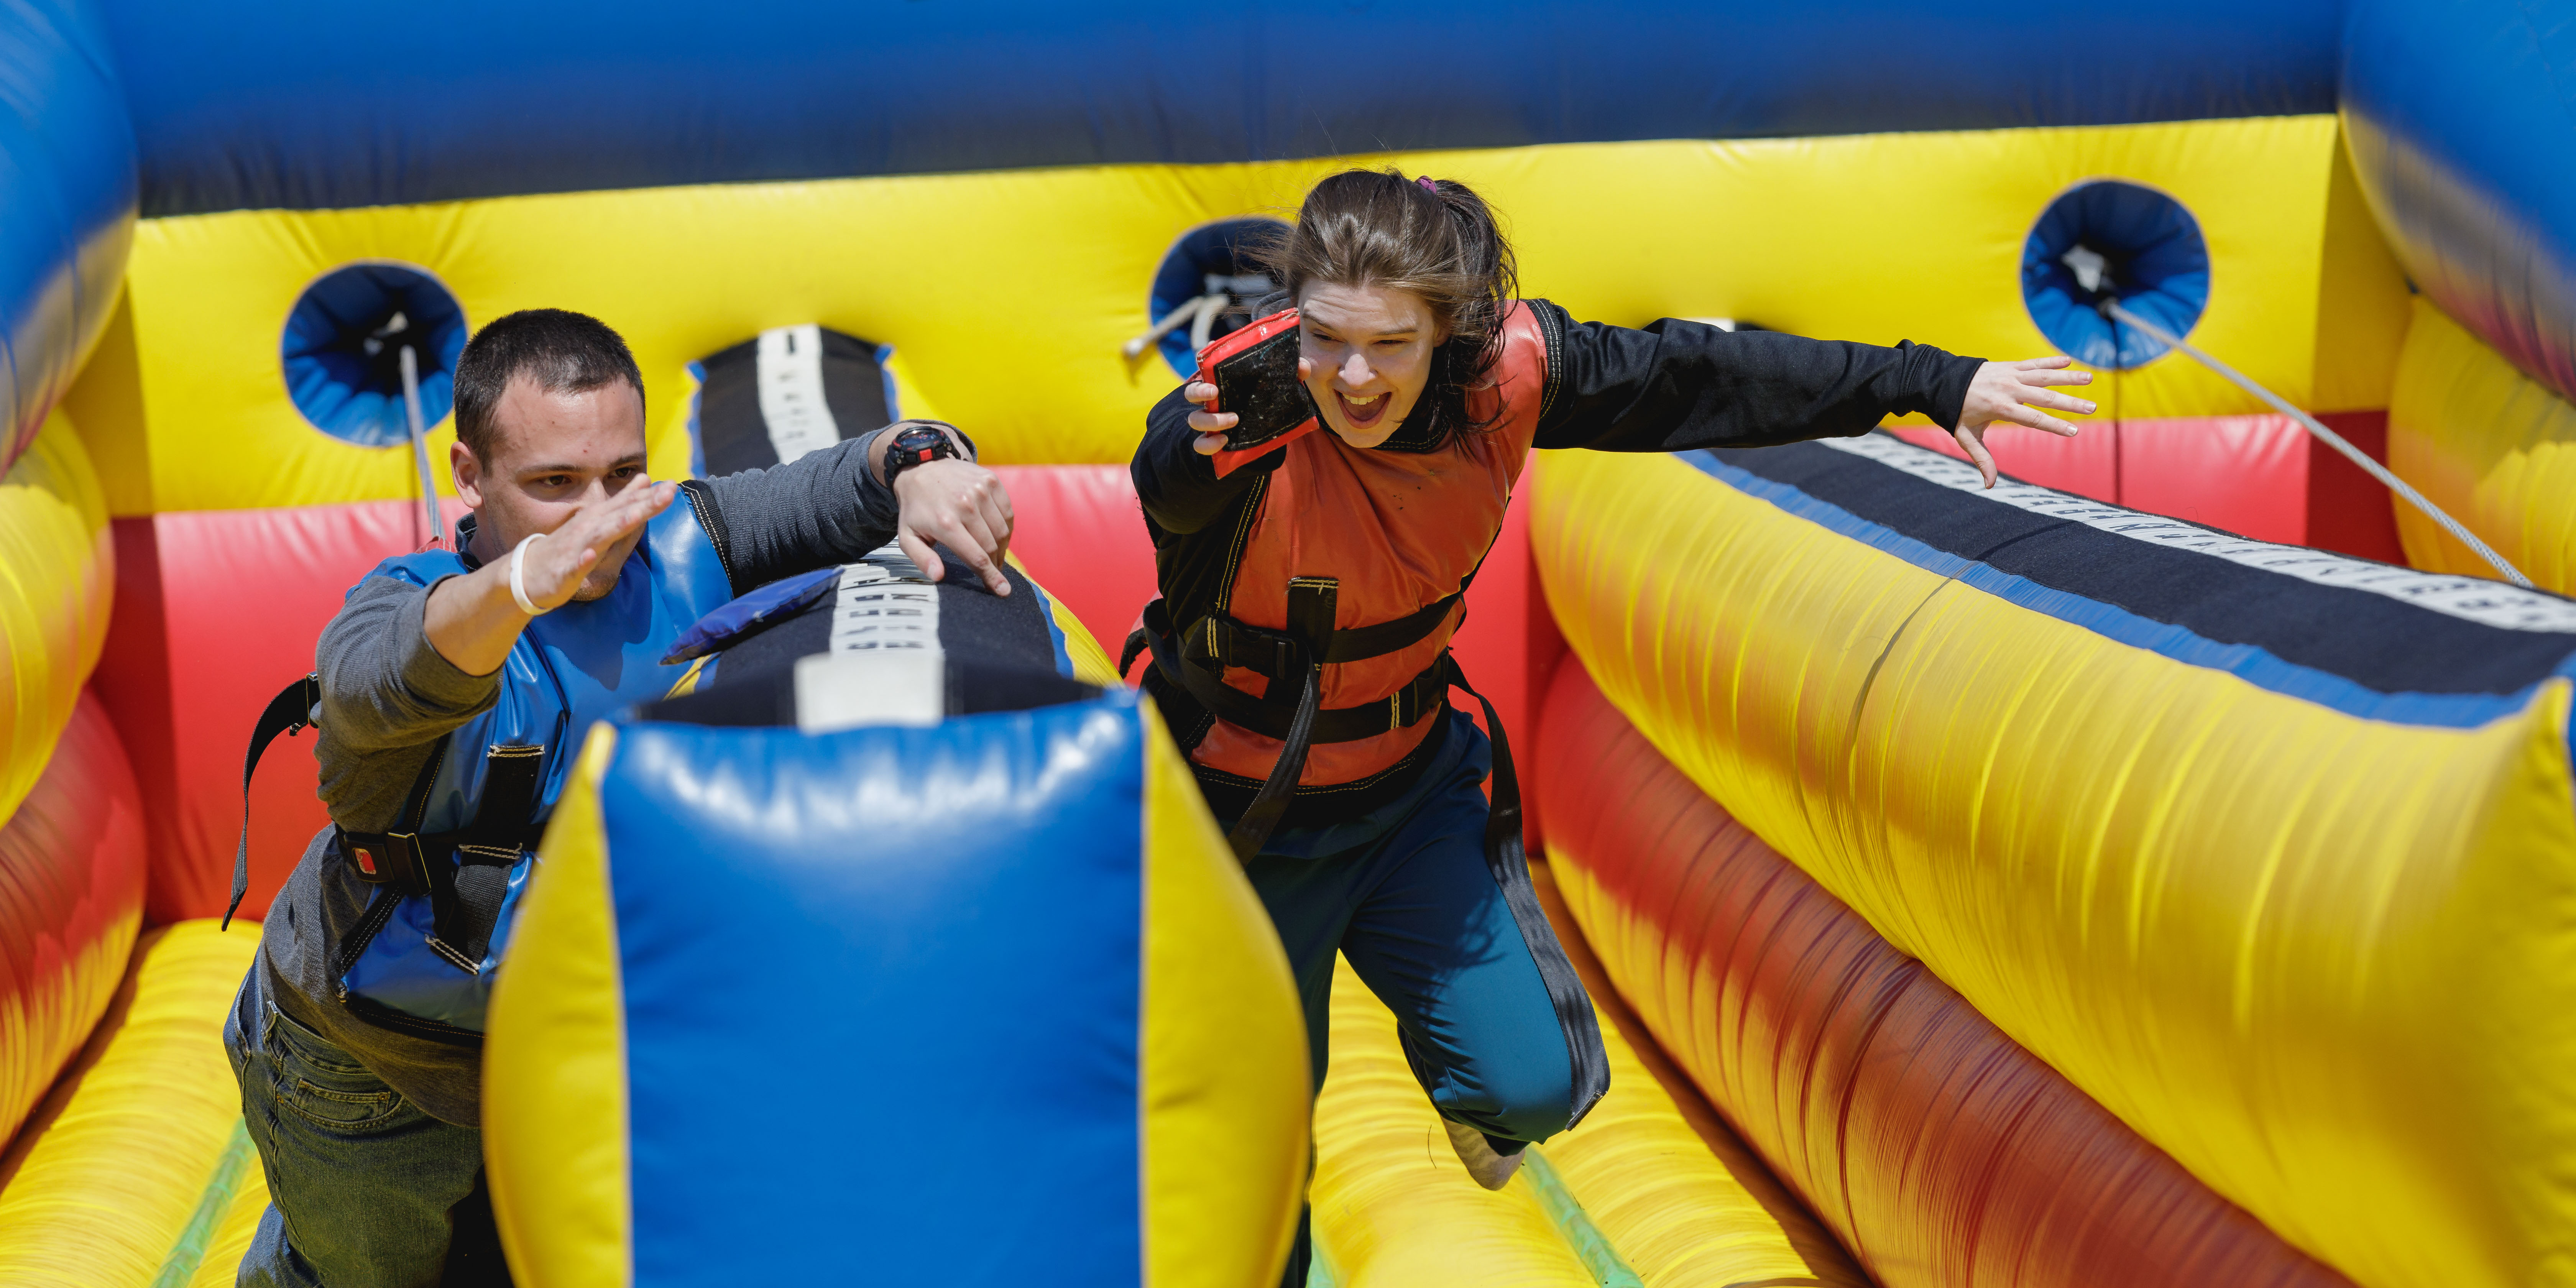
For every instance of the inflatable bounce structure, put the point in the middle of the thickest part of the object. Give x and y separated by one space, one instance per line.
2159 869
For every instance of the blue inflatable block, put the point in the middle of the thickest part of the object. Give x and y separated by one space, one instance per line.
870 905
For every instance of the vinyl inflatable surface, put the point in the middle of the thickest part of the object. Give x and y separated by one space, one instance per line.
57 571
2269 852
71 900
1048 878
1936 1148
2091 885
136 1160
2490 445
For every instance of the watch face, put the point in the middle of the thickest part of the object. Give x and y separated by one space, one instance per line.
913 442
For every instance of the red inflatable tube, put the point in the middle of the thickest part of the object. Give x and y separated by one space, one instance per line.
71 900
1939 1151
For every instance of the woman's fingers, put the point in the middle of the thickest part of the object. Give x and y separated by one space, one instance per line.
2036 419
1209 444
1199 391
1974 444
2057 401
2052 361
2053 377
1213 422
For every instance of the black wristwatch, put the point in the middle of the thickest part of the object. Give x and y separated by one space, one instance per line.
918 445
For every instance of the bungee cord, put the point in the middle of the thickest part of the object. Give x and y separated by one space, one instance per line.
419 444
2112 309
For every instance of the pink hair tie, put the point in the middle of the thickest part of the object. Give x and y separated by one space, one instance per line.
1428 186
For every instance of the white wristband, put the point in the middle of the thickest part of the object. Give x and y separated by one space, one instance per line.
518 584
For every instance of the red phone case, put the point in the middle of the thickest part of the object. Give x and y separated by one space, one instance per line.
1218 365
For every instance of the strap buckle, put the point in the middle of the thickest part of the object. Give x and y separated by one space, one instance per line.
396 859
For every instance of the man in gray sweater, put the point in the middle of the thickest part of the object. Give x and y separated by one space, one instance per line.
357 1034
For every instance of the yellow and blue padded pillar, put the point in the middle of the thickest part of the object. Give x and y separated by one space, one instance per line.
986 1002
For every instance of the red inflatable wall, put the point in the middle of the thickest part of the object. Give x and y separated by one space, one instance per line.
217 610
1937 1149
2263 477
71 899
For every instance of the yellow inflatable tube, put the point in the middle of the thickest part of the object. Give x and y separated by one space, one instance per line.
2327 962
136 1170
57 575
2491 446
188 409
1633 1197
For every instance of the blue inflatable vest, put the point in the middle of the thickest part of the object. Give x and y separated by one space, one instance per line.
581 663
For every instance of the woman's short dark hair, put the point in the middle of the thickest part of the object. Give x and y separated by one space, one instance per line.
1435 238
563 351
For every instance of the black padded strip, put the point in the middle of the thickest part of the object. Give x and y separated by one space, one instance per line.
733 436
2376 641
974 623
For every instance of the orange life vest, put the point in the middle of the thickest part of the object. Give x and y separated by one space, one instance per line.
1387 541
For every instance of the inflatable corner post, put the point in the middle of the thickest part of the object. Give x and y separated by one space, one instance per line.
68 150
2445 109
1011 957
2269 852
61 572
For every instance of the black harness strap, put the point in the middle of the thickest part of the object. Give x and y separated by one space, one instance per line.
1219 641
294 709
1508 859
1311 602
1227 642
464 895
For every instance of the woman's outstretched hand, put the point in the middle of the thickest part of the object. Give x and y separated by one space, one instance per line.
2011 391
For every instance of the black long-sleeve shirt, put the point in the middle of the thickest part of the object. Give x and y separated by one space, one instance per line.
1672 386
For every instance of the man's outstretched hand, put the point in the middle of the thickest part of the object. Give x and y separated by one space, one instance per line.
2012 392
961 504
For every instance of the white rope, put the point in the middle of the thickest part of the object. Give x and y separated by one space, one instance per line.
2330 439
1214 304
1183 315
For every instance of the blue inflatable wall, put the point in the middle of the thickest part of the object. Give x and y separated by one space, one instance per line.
320 105
2458 114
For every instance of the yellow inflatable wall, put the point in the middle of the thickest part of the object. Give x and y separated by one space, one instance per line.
2327 962
2491 446
186 408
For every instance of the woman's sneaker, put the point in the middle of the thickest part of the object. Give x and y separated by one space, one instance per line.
1491 1169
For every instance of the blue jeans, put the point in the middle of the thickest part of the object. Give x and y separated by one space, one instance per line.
1407 895
365 1190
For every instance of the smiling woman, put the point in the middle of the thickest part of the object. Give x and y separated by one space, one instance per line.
1311 585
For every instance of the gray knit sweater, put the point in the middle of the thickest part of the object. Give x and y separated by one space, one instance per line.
387 698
